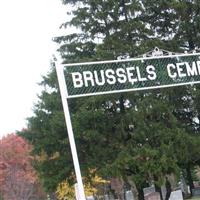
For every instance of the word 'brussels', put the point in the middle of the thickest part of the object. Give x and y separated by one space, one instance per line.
111 76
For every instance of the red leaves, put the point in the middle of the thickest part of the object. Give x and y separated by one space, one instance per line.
16 172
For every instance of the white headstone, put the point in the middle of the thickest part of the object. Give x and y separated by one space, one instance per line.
106 197
129 195
176 195
90 198
149 190
163 191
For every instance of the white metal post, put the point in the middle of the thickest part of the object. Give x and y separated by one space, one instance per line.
64 96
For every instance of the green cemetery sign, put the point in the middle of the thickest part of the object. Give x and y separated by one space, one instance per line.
84 79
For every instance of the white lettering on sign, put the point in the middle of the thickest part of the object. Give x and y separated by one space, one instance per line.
101 80
120 72
133 74
77 79
130 74
111 79
111 76
151 72
88 78
183 69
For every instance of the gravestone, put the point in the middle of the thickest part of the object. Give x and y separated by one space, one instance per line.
183 185
149 190
129 195
176 195
163 191
90 198
196 191
152 196
106 197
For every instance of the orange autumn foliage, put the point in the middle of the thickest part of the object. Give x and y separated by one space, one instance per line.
17 176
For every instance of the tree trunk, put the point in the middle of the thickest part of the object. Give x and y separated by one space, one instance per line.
189 177
168 189
140 194
158 189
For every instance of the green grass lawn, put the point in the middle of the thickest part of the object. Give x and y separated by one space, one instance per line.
194 198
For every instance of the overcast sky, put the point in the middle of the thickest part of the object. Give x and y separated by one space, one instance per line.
26 47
